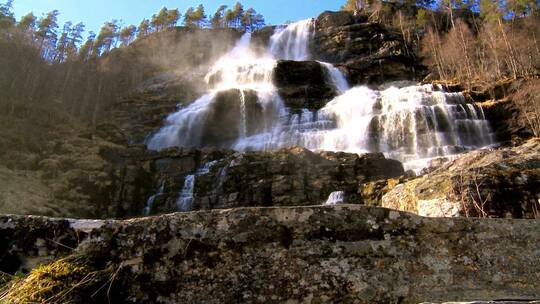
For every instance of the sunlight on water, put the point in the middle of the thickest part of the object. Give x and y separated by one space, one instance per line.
412 124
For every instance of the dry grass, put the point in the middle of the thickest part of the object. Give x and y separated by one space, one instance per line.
55 283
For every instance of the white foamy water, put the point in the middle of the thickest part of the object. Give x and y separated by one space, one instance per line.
337 197
292 42
336 77
186 197
152 199
413 124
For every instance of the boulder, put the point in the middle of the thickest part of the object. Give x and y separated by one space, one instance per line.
503 182
303 84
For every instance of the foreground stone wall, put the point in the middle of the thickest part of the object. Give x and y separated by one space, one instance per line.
347 253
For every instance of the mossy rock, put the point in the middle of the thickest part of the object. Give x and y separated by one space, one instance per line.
66 280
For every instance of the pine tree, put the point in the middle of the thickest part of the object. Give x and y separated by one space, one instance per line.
106 38
6 15
74 39
85 52
251 20
127 35
46 32
62 44
26 27
172 18
229 18
158 21
199 16
189 17
144 28
238 11
219 16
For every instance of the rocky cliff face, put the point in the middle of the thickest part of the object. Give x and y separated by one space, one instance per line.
369 52
502 182
350 254
290 177
303 84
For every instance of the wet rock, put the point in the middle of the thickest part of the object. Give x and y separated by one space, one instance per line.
369 52
289 177
352 253
303 84
501 182
261 37
224 117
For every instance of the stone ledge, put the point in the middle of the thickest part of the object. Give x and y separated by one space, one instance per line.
347 252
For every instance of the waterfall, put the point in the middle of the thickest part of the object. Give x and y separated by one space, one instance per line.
412 124
292 42
335 198
243 123
336 77
152 199
184 127
186 196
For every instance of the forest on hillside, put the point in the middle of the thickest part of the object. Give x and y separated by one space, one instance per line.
36 50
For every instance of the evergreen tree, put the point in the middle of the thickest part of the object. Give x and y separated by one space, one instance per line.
27 26
6 15
85 52
189 17
106 38
74 39
219 16
229 18
127 35
172 18
251 20
62 44
144 28
158 21
46 32
238 11
199 16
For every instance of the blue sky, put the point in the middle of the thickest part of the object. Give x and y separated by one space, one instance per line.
94 13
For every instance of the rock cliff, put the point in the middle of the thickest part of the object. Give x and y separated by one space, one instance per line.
502 182
369 52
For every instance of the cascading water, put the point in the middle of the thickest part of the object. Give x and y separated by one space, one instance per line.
337 197
152 199
185 197
292 42
240 69
336 77
412 124
243 122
